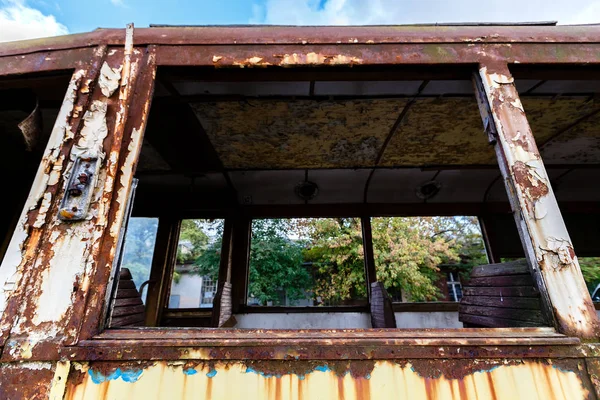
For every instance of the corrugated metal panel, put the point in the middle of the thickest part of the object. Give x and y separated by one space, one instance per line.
387 380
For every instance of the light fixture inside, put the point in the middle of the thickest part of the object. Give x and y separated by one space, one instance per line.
306 190
428 190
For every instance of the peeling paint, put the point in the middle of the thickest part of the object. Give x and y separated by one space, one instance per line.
44 207
13 258
59 381
546 240
93 133
109 79
488 379
313 58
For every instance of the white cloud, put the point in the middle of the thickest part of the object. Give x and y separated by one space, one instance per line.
19 21
118 3
374 12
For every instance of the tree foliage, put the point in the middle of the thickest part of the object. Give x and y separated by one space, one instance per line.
408 252
590 268
276 263
193 241
323 258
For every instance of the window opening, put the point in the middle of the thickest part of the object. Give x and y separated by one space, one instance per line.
413 255
196 271
138 251
307 262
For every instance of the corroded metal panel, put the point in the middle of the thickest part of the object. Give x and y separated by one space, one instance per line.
23 248
298 134
439 132
57 267
351 133
412 379
26 380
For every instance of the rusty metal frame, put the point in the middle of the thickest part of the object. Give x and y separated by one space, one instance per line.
260 48
543 233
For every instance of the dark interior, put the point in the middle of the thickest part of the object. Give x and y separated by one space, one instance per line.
19 159
374 141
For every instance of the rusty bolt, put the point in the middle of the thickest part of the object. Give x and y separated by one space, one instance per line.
83 178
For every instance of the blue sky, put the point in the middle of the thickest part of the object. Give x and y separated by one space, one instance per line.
22 19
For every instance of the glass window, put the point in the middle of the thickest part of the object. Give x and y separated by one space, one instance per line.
194 281
138 250
307 262
409 252
454 286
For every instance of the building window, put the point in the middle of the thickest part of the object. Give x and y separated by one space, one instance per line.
454 286
197 266
209 288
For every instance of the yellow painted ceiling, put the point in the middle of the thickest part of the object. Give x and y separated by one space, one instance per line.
279 134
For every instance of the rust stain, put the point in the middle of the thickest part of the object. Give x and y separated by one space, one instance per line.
301 133
531 183
565 380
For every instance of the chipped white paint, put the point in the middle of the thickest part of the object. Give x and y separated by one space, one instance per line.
30 365
109 79
9 273
500 79
516 103
216 58
93 133
44 207
341 59
56 285
546 240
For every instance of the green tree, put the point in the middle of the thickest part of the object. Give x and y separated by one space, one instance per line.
193 241
336 253
407 254
590 268
276 263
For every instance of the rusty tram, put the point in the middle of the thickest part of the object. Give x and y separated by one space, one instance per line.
501 122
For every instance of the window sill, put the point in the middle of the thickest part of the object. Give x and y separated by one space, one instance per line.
236 344
442 306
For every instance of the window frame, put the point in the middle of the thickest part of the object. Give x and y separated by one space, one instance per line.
240 263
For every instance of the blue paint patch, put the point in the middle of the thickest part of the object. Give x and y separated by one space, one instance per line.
368 376
129 376
561 369
190 371
211 373
96 376
321 5
320 368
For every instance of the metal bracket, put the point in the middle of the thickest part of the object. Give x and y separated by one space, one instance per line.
78 193
489 127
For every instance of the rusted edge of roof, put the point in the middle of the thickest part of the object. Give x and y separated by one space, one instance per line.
342 35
